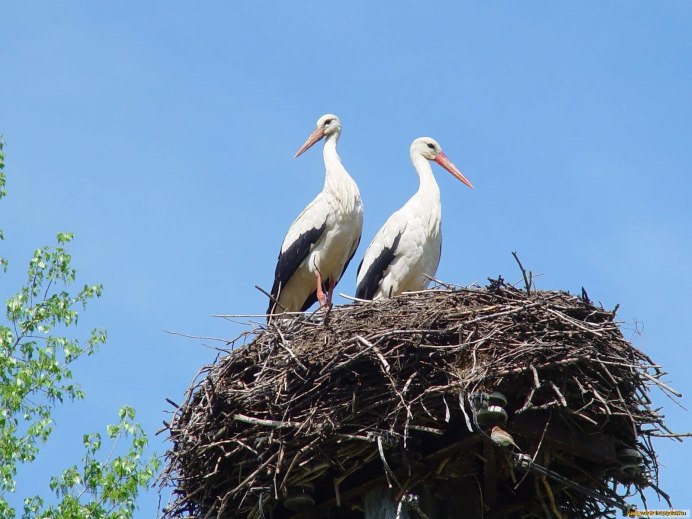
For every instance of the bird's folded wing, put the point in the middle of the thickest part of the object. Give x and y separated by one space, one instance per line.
380 255
304 233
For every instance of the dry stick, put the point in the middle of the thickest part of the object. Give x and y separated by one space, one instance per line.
388 471
239 316
557 391
367 343
536 385
328 366
325 319
393 333
356 437
271 298
431 430
528 402
200 337
425 291
409 415
613 380
624 405
236 440
536 380
573 322
664 427
628 365
289 350
297 455
307 422
498 374
277 468
662 385
340 479
537 489
500 314
356 299
549 491
255 473
527 280
606 407
673 435
427 411
449 286
535 454
267 423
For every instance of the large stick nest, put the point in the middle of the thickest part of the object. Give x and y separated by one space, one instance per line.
387 394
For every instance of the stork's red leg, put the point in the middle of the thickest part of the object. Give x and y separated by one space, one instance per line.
332 284
320 292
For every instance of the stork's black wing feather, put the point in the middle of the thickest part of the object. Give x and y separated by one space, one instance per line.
349 261
290 260
368 286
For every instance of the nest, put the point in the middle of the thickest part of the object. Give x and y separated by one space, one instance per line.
316 413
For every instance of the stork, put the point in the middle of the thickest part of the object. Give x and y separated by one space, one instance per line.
319 243
407 248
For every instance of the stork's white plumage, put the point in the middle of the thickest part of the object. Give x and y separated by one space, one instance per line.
408 246
322 240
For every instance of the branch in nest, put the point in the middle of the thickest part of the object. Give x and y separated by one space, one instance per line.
528 277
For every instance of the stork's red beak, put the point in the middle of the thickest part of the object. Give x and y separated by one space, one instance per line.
314 137
443 161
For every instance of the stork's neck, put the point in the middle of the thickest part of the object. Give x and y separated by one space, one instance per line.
337 180
428 190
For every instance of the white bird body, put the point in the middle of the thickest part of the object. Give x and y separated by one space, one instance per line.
407 248
323 238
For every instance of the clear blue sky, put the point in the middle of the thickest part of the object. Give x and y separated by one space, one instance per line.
162 134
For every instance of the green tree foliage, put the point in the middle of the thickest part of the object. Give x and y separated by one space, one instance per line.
101 489
37 350
3 261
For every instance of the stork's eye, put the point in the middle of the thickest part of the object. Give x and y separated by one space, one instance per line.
431 146
328 121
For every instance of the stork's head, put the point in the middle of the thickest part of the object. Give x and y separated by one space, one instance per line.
326 125
428 148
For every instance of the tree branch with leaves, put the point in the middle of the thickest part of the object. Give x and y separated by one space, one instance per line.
37 350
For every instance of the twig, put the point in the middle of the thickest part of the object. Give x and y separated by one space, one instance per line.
242 316
449 286
527 280
352 298
536 380
271 297
371 346
289 350
266 423
559 395
672 435
662 385
199 337
388 470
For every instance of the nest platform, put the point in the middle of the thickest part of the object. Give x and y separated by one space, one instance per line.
310 416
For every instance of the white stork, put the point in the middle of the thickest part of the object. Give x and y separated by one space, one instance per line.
322 240
408 245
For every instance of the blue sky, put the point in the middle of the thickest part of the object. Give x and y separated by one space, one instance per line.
162 134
